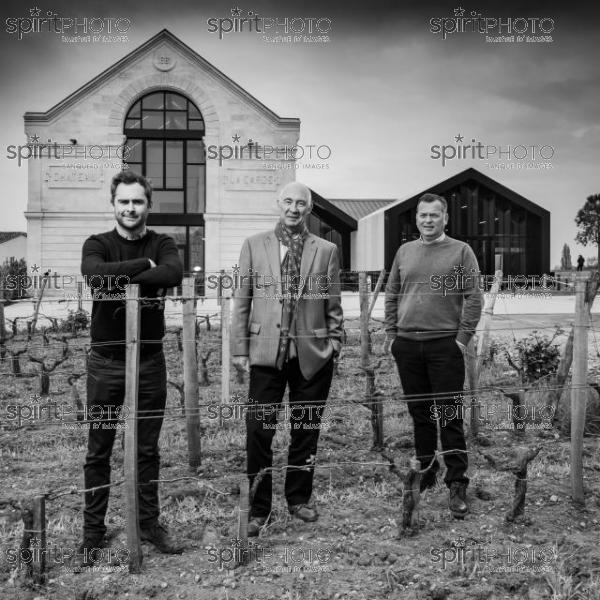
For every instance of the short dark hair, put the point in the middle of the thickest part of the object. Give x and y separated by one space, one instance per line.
429 198
128 177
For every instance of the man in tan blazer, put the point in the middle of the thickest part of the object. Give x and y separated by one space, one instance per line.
287 328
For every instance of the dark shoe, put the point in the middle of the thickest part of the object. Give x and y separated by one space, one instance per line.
255 524
457 500
303 511
86 555
428 480
158 535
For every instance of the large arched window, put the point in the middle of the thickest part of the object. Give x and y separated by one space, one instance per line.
164 140
165 133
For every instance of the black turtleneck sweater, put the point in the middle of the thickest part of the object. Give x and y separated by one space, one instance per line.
107 256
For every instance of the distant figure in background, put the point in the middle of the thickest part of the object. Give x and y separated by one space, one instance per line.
580 262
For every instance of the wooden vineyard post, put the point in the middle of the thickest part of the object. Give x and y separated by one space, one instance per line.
377 398
190 373
2 323
475 357
486 320
567 355
225 354
38 303
33 542
363 294
243 515
130 463
28 535
564 367
579 386
473 378
376 291
371 400
39 528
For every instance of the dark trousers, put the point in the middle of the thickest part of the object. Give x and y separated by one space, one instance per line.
434 370
105 393
306 400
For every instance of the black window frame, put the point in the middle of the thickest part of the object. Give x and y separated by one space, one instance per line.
175 219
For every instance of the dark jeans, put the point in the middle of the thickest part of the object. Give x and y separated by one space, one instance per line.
105 392
307 399
434 370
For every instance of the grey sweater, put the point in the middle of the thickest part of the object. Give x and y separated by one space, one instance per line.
433 291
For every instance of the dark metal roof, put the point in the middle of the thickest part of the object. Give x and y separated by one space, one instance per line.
340 218
466 175
6 236
359 208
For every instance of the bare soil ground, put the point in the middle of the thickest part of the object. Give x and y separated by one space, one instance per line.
354 551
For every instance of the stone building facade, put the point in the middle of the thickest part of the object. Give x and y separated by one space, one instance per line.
215 155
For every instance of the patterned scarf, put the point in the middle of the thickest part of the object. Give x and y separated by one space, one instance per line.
290 281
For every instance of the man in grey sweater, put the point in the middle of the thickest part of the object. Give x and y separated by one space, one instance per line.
432 307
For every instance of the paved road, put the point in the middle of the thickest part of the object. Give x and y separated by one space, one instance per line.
531 311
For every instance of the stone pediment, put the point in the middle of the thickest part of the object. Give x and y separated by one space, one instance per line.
166 52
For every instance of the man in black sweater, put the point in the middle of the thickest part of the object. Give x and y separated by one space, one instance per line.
130 253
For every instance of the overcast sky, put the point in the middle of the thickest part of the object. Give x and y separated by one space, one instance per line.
380 93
